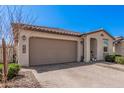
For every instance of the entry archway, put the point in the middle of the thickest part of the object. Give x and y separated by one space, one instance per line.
93 48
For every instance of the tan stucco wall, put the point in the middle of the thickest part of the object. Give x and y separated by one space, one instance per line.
119 48
23 59
100 43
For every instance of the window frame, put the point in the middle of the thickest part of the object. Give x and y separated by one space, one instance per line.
105 45
24 49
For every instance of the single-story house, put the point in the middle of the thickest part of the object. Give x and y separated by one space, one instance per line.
39 45
119 45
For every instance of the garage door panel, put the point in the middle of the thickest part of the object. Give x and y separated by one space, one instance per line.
49 51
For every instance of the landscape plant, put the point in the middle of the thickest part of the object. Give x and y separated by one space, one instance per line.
119 60
111 58
13 70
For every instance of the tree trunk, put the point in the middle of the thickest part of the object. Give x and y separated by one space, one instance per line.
5 63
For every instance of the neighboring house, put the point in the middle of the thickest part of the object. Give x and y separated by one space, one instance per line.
10 54
119 45
38 45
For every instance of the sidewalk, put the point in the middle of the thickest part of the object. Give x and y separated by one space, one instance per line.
114 66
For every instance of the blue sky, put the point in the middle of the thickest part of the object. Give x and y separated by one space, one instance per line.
81 18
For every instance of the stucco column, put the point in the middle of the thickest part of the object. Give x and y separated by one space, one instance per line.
27 61
78 51
87 49
99 48
23 57
114 48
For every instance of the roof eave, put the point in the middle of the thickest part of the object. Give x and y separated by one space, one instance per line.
85 34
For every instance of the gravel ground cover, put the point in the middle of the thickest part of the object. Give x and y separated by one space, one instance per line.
25 79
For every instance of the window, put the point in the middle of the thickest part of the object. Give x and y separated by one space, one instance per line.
106 43
24 49
105 49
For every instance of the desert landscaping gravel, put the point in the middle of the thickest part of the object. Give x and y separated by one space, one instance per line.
25 79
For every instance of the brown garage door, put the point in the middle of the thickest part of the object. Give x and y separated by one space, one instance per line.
49 51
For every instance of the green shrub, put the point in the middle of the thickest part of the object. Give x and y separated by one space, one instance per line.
13 70
111 58
1 67
0 76
0 72
119 60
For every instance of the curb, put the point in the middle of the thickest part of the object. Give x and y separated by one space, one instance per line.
112 67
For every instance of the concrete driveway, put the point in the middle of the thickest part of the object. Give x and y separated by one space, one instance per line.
78 75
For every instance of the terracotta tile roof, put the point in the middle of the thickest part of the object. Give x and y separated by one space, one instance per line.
99 30
54 30
46 29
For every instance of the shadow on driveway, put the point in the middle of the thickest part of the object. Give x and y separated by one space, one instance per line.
52 67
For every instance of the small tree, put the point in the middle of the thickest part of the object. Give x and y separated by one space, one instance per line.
8 16
5 63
